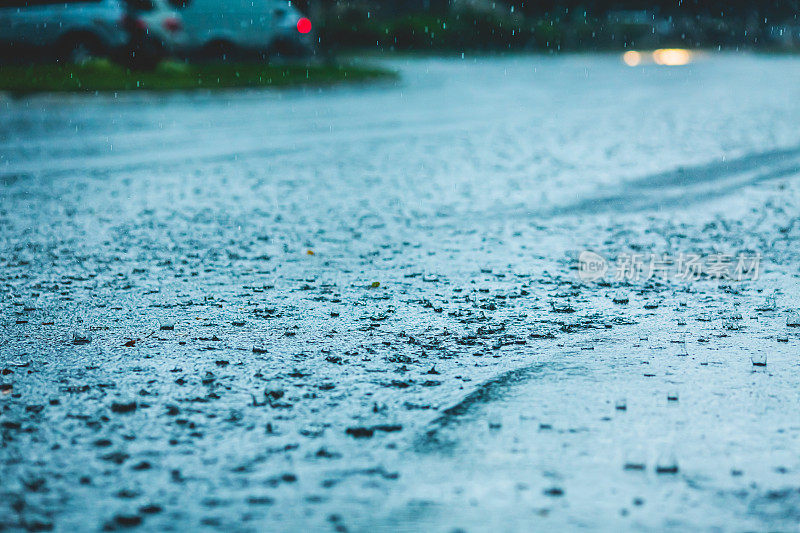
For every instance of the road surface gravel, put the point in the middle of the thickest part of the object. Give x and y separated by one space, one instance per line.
360 308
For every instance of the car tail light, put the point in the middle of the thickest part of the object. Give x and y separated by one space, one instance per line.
304 25
173 24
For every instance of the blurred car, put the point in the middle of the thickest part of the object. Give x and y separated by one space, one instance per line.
222 28
74 30
139 31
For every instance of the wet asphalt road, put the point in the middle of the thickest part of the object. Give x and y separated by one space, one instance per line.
357 308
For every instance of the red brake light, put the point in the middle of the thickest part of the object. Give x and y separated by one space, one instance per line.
304 25
173 25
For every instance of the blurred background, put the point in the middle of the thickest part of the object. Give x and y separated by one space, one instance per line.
139 33
296 42
553 25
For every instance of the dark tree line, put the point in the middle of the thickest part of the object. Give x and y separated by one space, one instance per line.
715 8
554 24
777 9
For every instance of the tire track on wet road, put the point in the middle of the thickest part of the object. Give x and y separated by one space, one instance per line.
686 186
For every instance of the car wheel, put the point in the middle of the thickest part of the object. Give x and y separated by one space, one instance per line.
143 54
221 51
288 49
279 49
79 48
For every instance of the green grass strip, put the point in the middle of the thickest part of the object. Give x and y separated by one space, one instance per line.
104 76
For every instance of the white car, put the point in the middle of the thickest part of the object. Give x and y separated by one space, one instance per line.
71 29
219 28
76 30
